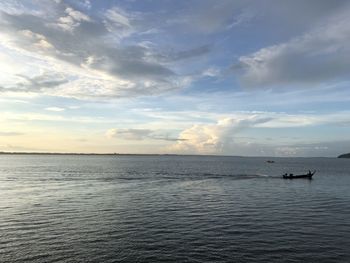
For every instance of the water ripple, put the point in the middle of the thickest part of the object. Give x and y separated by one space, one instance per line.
172 209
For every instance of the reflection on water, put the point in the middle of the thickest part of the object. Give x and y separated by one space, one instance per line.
172 209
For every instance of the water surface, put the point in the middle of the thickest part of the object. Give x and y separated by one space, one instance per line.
62 208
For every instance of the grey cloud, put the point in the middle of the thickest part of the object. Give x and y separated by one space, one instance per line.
298 15
132 62
91 44
319 55
129 134
210 16
41 81
107 43
119 20
84 4
170 139
73 47
140 134
36 83
11 133
199 51
185 54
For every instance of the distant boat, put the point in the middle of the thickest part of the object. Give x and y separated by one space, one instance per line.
270 161
292 176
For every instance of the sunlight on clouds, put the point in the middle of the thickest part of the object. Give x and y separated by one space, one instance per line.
223 136
214 138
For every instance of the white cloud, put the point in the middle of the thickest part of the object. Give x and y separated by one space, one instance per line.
211 72
56 109
78 16
223 137
74 107
71 20
214 138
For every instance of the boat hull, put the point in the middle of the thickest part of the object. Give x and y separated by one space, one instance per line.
301 176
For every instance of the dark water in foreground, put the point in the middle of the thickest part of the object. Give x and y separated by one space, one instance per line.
172 209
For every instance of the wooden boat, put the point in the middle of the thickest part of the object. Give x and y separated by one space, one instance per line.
292 176
270 161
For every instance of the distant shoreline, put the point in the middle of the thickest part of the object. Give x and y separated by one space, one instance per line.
58 153
116 154
155 154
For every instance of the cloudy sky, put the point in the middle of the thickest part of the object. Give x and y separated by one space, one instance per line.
229 77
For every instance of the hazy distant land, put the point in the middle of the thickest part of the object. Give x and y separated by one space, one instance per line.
345 155
68 153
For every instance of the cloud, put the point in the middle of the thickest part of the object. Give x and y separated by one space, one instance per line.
211 72
185 54
45 80
117 19
17 148
223 137
129 134
11 133
56 109
139 134
29 117
65 52
63 49
214 138
212 16
71 20
321 55
323 148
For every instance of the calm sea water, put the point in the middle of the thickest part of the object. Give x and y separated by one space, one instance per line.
172 209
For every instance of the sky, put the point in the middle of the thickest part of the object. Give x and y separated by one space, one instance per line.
228 77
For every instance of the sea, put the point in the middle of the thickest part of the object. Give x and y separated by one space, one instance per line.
150 208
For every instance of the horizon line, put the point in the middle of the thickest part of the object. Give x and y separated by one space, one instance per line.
157 154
